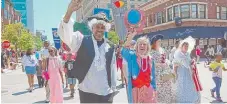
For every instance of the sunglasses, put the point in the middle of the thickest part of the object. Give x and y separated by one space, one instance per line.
51 51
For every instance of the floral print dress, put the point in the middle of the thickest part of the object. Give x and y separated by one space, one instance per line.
165 94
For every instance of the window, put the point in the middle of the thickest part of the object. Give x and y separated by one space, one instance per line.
185 11
159 18
202 11
218 12
194 11
163 17
170 13
150 18
132 6
224 13
5 14
176 11
139 0
132 0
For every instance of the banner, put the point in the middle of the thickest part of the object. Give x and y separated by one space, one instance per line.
56 38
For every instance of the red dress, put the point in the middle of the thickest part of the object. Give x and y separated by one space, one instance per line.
143 79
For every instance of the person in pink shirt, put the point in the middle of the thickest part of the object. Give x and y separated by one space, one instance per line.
198 52
55 82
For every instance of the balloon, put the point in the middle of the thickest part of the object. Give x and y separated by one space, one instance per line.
119 4
134 16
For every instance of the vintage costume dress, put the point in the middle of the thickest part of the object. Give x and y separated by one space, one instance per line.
186 88
141 83
164 88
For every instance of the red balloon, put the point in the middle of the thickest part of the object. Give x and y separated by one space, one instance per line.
5 44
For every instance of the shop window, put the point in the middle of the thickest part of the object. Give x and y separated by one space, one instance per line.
185 11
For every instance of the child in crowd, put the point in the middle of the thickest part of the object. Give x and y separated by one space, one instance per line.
216 67
71 80
39 75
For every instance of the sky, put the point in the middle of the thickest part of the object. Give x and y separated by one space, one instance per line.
48 14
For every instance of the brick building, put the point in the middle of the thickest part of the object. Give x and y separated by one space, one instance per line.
9 14
205 20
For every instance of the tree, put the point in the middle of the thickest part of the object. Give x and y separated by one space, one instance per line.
113 37
26 41
38 42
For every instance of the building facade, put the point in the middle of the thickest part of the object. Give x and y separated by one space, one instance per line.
135 3
8 13
25 7
88 7
205 20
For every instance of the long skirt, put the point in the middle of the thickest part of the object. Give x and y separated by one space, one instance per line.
144 95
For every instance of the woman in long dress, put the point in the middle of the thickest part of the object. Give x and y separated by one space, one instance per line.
163 72
186 87
141 76
55 81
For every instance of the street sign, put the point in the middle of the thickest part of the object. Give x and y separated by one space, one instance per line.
106 11
5 44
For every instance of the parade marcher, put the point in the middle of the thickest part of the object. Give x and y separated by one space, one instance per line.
44 54
217 66
186 83
141 73
29 62
71 80
95 65
164 74
55 81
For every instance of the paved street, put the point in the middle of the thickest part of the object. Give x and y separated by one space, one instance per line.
14 85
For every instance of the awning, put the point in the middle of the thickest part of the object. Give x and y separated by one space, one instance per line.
195 32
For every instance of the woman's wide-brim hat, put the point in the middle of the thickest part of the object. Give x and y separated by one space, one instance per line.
99 18
156 38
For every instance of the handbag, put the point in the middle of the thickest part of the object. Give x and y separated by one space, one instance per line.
45 74
167 77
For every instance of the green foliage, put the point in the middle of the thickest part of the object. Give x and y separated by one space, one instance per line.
11 32
38 42
82 27
113 37
26 41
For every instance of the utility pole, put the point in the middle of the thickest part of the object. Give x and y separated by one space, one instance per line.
118 16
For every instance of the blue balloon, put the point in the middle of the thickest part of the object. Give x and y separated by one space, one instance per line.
134 17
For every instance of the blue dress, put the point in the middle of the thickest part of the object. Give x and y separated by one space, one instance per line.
186 90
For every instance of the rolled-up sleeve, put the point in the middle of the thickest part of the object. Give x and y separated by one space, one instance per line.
72 39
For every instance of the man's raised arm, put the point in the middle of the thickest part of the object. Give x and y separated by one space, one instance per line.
65 31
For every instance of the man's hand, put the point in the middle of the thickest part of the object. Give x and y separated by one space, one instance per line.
73 6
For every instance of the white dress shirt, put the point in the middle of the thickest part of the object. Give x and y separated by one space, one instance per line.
96 79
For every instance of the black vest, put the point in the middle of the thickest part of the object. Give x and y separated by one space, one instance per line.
85 57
